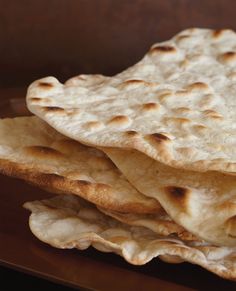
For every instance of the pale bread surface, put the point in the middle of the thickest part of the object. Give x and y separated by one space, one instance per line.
203 203
159 223
177 105
66 222
33 151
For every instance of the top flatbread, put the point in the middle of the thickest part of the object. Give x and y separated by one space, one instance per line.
177 105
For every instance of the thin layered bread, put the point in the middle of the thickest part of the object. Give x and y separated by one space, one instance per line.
176 105
33 151
202 203
158 159
67 222
159 222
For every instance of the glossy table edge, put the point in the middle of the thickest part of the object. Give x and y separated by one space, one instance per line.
40 275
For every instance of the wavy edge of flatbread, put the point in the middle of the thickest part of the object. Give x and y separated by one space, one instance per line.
63 222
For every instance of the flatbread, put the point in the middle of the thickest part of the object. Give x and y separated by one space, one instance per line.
177 105
66 222
203 203
159 223
35 152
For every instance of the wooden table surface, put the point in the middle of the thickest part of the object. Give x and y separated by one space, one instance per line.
89 269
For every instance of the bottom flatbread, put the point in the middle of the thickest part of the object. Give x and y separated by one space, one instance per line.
68 222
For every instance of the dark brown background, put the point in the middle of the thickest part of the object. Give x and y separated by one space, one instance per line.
64 38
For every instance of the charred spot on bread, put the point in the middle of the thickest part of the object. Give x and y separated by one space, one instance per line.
131 133
43 152
159 137
45 85
163 49
54 109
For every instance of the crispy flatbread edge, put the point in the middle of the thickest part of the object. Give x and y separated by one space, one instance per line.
96 193
101 244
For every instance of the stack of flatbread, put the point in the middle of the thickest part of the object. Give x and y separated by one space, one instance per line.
144 161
